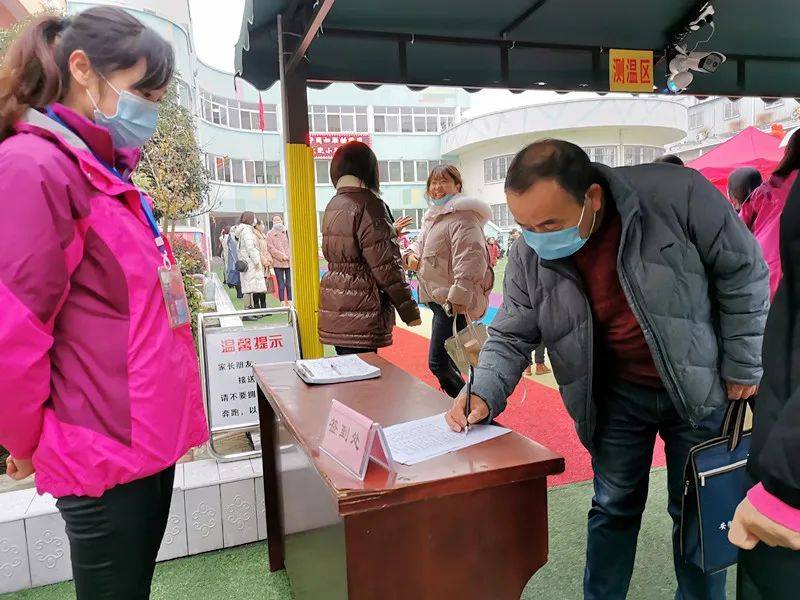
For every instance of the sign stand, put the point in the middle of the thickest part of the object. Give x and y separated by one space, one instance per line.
227 356
353 440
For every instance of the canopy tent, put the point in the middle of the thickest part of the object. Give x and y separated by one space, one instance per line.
560 45
521 44
749 148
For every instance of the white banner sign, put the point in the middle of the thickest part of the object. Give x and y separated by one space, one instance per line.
230 355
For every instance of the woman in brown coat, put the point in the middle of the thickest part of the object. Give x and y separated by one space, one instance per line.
366 279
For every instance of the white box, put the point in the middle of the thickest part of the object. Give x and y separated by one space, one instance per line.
15 573
175 544
203 518
239 518
48 549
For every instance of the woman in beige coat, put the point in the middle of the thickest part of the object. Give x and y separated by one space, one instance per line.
263 248
452 262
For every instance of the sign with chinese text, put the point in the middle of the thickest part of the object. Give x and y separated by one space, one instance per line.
351 439
630 70
325 145
230 356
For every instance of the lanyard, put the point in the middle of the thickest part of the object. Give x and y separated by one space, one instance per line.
148 212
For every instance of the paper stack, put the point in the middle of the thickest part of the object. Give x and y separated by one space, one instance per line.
335 370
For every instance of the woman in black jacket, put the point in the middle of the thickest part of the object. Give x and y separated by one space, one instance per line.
767 522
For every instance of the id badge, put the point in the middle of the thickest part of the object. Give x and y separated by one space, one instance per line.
174 295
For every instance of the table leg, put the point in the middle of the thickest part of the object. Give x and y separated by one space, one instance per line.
272 493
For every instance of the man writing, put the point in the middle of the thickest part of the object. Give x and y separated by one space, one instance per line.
651 297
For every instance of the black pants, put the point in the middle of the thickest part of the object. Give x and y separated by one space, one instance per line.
538 354
284 278
768 574
259 300
114 539
345 351
439 361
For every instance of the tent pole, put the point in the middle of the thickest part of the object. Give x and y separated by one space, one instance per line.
302 206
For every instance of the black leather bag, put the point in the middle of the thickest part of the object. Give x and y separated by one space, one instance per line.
241 266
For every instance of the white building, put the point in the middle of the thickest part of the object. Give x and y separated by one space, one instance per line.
613 131
712 121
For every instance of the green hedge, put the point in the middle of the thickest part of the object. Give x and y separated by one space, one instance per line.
3 455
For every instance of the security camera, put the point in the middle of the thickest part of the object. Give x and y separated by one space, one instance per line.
705 62
706 17
678 82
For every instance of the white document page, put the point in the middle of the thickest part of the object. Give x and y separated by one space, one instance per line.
341 368
423 439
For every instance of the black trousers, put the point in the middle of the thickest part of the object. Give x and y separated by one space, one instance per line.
284 279
345 351
768 574
439 361
114 539
259 300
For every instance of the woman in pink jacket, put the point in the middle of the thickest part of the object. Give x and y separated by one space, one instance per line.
99 386
762 213
278 246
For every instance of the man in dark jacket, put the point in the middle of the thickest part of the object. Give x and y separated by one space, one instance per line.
651 297
767 523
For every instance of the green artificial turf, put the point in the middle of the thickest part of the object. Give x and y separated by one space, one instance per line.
242 572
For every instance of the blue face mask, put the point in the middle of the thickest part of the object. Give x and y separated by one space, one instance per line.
133 124
443 200
558 244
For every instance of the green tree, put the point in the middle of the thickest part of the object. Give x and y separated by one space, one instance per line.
172 170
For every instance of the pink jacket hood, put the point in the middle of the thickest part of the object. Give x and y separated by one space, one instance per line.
100 390
463 203
762 215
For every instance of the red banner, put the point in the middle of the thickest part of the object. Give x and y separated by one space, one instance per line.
325 145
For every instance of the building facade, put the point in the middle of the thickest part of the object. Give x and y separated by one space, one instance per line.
617 131
242 142
715 120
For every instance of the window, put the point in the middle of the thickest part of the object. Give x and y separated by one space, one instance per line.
695 119
238 170
496 167
730 109
639 155
606 155
184 97
501 216
406 171
238 115
322 170
770 103
412 119
327 118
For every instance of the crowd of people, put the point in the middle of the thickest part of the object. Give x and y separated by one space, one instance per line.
652 296
250 252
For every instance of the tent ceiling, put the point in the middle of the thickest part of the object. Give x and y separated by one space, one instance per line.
522 44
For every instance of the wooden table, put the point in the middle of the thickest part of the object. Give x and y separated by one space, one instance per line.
467 525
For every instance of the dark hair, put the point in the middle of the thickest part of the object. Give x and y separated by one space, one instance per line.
670 159
35 69
446 172
742 182
248 217
791 158
558 160
356 159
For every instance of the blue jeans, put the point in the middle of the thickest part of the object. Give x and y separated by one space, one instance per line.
629 417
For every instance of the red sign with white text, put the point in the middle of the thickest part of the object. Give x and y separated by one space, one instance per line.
325 145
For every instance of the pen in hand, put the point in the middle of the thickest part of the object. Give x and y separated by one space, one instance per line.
467 408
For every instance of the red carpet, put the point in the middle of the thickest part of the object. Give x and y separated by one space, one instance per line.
541 416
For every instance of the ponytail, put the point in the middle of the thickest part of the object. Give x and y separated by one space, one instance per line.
30 76
35 71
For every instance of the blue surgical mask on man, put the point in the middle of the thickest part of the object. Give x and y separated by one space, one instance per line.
443 200
133 124
553 245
